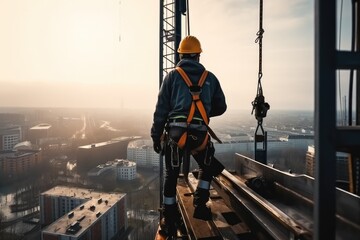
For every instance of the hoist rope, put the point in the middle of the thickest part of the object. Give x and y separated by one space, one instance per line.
259 38
259 105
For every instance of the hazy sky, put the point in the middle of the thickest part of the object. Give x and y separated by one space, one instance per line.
104 53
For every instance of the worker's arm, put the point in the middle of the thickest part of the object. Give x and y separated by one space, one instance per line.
161 111
218 103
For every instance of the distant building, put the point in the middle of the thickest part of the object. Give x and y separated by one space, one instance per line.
102 168
39 132
12 118
122 169
92 155
244 143
233 146
298 141
9 137
76 213
341 164
143 154
19 161
125 170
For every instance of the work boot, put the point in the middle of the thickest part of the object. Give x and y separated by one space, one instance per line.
201 211
169 220
167 228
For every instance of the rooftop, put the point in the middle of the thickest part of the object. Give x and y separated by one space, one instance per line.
11 154
83 216
111 165
112 141
41 126
124 163
141 143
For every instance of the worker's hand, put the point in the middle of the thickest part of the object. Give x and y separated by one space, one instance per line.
157 146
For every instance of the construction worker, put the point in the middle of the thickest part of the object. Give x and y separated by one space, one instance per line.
177 100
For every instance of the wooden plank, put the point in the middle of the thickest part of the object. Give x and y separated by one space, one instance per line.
226 222
197 229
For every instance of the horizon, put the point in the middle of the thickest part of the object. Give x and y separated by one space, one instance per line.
93 53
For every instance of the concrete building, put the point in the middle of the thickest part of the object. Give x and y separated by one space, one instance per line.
38 132
19 161
92 155
143 154
101 169
76 213
125 170
122 169
9 137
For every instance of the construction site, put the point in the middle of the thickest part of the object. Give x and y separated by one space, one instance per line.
257 201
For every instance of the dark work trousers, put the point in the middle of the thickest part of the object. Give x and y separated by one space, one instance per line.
194 139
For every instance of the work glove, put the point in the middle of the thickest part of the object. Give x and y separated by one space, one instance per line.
157 146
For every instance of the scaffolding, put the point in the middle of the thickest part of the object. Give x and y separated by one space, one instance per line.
330 137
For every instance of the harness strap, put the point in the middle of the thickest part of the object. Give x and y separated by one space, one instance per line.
196 103
201 108
195 96
187 79
182 141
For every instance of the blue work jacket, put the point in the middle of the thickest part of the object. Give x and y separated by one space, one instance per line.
174 98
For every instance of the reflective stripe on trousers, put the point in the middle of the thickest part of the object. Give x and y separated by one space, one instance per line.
203 184
169 200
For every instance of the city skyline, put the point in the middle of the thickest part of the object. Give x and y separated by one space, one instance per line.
72 129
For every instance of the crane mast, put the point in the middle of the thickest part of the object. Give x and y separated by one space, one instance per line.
170 37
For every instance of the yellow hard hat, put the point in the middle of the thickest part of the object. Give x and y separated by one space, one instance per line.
189 44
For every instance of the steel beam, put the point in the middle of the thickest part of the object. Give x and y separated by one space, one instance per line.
325 119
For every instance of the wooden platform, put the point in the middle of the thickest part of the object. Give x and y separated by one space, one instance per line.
225 224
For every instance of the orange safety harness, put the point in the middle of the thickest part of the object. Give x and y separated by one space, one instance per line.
195 91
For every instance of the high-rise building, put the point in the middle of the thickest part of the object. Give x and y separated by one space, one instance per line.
38 132
9 137
122 169
142 152
125 170
76 213
19 161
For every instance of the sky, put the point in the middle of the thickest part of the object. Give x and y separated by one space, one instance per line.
105 53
